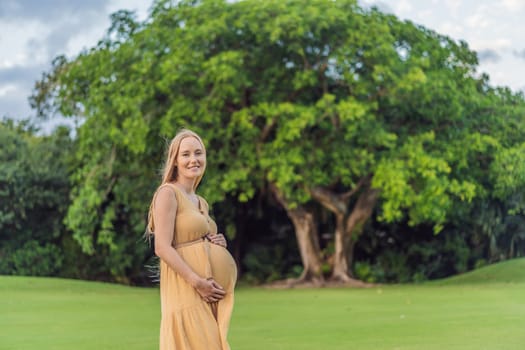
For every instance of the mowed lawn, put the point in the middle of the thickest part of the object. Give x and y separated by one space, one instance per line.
484 309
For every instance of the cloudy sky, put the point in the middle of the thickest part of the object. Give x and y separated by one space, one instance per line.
494 28
33 32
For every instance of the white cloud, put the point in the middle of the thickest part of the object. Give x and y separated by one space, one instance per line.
453 6
425 14
477 21
6 64
514 5
14 48
6 89
140 7
403 6
451 29
500 44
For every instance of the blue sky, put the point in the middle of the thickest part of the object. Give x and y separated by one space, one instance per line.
33 32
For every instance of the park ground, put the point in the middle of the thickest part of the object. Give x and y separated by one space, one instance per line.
483 309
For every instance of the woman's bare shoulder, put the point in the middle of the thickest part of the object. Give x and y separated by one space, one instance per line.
165 196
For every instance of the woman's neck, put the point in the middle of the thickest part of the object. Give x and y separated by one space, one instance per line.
186 186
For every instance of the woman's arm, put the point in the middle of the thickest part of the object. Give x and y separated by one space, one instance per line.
164 213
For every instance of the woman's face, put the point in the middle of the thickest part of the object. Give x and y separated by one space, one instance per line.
191 159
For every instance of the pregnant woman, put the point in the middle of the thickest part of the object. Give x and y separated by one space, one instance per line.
197 273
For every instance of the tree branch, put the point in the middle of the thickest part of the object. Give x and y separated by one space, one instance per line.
329 200
278 195
264 135
266 131
346 196
362 210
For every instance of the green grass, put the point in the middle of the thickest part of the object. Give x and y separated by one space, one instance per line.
484 309
510 271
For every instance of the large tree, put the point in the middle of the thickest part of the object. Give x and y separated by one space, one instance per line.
322 102
363 109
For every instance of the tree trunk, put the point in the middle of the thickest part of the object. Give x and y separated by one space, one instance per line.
352 229
307 239
306 234
341 270
348 226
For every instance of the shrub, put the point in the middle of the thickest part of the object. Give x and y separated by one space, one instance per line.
32 259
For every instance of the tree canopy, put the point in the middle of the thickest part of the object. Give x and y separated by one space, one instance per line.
322 103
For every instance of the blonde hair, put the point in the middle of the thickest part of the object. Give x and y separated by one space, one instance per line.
169 172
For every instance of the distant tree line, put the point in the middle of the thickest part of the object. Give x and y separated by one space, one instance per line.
342 143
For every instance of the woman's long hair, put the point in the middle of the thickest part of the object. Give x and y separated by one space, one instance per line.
170 173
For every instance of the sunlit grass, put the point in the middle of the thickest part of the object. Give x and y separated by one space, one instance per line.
45 313
484 309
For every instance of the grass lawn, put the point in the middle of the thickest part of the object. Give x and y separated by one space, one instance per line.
484 309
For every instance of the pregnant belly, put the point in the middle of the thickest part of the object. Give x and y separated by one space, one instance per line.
202 259
223 267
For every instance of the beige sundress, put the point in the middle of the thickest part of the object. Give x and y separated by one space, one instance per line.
187 321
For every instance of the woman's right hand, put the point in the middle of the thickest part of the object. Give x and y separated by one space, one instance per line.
209 290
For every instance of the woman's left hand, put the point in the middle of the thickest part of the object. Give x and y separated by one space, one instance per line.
218 239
